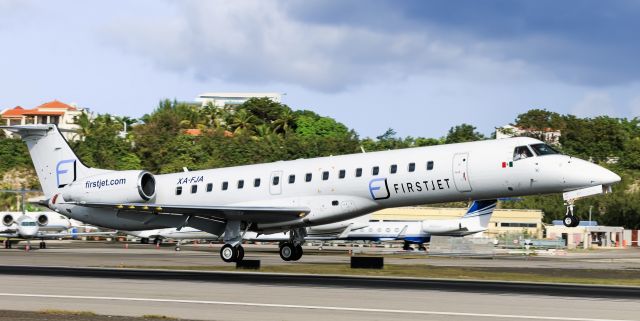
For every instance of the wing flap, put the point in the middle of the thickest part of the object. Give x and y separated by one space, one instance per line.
256 214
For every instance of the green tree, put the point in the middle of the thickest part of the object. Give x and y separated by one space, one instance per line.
463 133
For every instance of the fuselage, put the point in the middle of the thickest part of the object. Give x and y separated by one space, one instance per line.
338 188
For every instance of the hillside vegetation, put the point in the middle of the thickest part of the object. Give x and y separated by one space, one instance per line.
262 131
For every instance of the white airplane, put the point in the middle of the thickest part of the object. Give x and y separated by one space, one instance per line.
292 195
474 221
39 225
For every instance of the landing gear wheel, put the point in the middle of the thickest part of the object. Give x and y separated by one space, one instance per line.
571 221
228 253
287 251
43 245
298 253
157 241
422 248
240 250
144 240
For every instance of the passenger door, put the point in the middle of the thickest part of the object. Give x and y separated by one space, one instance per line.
460 172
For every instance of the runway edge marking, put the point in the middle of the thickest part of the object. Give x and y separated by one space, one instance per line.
307 307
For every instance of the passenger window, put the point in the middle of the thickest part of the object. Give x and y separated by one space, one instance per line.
225 186
276 180
429 165
393 169
358 172
194 189
307 177
209 187
412 167
240 183
521 152
179 190
342 174
325 175
292 179
375 170
256 182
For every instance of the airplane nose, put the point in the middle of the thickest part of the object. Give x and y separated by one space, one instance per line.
581 173
607 177
600 175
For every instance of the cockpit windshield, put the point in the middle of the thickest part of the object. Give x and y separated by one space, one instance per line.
28 223
543 149
521 152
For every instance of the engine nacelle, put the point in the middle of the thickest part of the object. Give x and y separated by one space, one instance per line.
113 187
43 220
7 220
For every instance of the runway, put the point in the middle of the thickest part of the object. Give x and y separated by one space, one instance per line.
242 296
213 300
28 284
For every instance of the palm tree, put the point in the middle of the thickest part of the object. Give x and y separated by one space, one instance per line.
284 122
241 121
84 121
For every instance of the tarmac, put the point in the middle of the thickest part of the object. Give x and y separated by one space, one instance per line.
243 296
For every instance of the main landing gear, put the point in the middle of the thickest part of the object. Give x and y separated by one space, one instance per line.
570 220
232 251
7 244
43 244
292 249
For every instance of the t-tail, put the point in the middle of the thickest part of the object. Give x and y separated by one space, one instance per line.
54 161
478 215
475 220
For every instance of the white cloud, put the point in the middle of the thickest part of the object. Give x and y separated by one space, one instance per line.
257 42
594 104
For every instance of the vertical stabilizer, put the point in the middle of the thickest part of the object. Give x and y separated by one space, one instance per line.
479 213
54 161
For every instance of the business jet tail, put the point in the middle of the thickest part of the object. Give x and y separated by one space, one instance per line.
54 161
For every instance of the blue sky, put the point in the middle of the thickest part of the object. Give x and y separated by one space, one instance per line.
419 67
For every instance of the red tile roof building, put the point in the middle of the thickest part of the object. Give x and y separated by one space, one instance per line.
53 112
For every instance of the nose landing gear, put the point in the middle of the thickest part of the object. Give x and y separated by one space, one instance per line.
570 220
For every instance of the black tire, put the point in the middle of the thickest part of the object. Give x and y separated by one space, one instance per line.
570 221
577 221
157 241
298 253
240 250
228 253
144 240
287 251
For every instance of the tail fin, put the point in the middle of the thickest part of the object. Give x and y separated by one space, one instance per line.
480 213
54 161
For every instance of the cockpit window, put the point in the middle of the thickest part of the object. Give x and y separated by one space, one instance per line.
543 149
521 152
28 223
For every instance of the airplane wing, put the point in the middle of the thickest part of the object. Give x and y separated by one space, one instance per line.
72 234
9 235
255 214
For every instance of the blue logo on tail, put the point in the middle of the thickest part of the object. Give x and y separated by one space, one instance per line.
65 172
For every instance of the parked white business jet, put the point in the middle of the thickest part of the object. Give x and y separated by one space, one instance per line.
474 221
291 195
38 226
